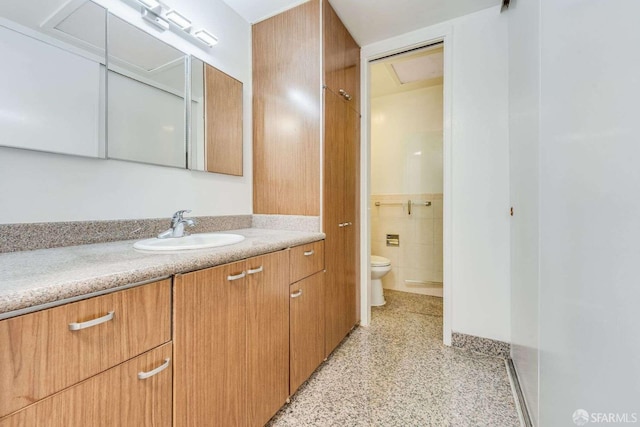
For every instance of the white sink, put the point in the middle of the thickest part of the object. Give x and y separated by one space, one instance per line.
193 241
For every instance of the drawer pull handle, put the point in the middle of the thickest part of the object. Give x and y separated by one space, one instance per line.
255 270
89 323
309 253
236 276
144 375
344 94
296 294
342 224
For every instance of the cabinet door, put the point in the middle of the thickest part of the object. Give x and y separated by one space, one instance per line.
267 335
116 397
341 217
334 182
341 58
307 328
210 347
286 111
352 216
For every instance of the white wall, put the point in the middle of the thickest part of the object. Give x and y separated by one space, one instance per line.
524 123
476 208
480 162
42 187
590 209
406 142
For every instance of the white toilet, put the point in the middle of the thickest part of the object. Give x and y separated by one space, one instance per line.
379 267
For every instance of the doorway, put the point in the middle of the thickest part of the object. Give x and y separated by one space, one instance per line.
406 172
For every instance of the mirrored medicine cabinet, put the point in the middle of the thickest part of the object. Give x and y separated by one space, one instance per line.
78 80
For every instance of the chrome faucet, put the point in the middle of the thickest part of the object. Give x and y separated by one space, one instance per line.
177 225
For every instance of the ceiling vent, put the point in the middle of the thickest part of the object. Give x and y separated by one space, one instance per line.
419 68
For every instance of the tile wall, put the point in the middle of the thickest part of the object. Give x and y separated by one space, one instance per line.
419 256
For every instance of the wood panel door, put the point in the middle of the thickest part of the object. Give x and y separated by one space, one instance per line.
116 397
340 217
267 335
341 58
334 183
210 345
351 152
307 328
286 110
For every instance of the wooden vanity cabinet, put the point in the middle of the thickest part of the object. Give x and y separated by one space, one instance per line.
231 338
116 397
291 87
50 350
267 336
306 260
307 328
307 311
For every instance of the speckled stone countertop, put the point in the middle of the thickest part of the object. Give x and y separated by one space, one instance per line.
44 276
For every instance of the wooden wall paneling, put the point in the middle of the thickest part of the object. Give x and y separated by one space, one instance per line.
287 110
210 348
41 356
267 335
223 117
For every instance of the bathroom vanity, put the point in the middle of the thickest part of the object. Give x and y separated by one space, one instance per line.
225 339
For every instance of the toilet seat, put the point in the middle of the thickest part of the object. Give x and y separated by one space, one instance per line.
379 261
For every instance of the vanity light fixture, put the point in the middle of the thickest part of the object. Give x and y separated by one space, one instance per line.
206 37
179 20
155 19
152 5
166 18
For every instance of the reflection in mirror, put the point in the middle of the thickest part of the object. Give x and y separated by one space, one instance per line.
52 78
146 98
216 124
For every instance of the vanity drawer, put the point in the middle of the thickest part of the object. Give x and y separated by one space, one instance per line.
47 351
135 393
306 260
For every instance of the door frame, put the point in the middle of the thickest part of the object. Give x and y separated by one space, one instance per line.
399 44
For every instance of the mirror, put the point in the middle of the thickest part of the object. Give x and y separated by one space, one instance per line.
216 120
146 98
52 79
60 94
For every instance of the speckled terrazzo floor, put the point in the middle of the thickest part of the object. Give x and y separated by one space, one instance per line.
397 372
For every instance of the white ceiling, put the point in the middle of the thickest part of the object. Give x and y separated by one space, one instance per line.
369 21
